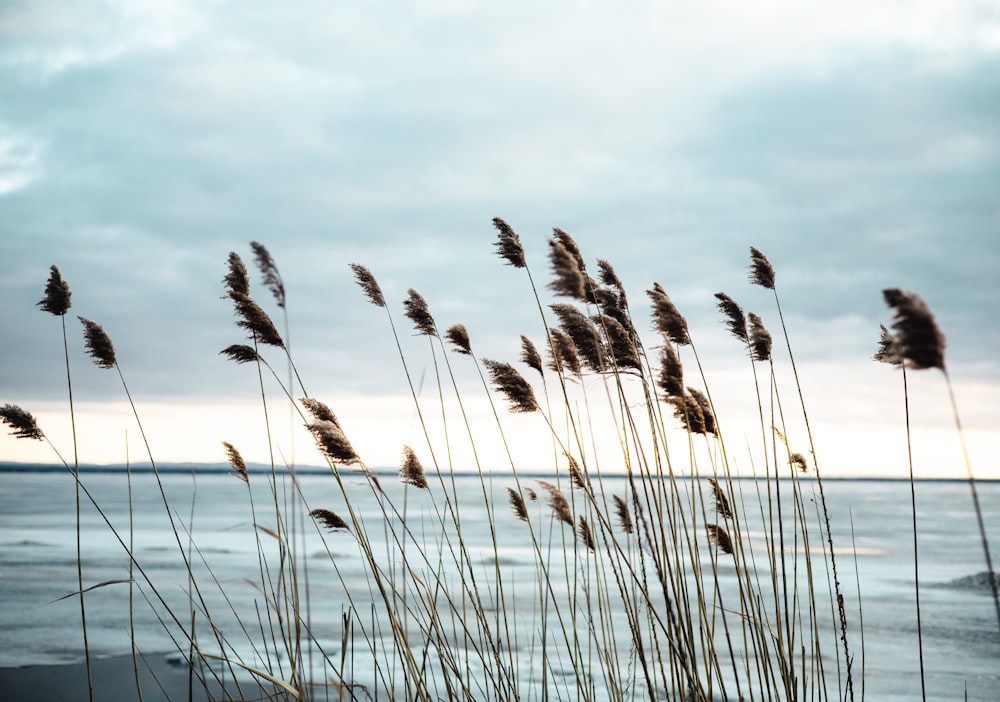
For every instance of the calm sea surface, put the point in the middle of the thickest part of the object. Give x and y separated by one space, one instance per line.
38 567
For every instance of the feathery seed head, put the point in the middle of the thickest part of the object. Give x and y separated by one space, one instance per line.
563 355
720 538
319 411
583 531
417 311
269 271
332 442
368 284
529 355
98 344
329 519
411 471
708 417
721 501
887 352
799 462
761 270
570 279
735 321
918 340
508 244
256 321
237 281
21 422
671 377
236 461
517 503
666 319
241 353
57 294
760 339
584 335
458 335
624 518
507 380
558 503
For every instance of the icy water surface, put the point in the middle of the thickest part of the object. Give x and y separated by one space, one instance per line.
38 566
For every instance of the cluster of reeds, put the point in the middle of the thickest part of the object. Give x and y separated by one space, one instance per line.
660 576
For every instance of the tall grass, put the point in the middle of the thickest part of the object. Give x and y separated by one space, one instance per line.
689 585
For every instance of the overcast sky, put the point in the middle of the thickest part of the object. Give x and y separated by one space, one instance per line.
856 143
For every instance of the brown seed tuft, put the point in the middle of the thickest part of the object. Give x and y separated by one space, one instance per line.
236 461
532 495
919 342
624 518
563 356
411 471
720 538
269 271
255 320
368 284
575 473
417 311
707 415
583 531
237 281
721 501
332 442
529 355
671 377
761 270
620 343
517 503
329 519
887 350
21 422
558 503
735 321
760 339
607 276
585 338
458 335
57 294
508 244
798 461
507 380
666 319
688 411
98 343
319 411
241 353
569 279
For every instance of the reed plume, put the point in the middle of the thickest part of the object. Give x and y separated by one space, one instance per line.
271 278
624 517
799 462
918 340
563 356
241 353
585 338
517 504
671 377
621 344
415 308
458 336
575 474
735 320
760 339
707 415
332 442
722 507
569 279
411 471
606 274
508 381
508 244
761 270
319 411
583 531
667 320
236 280
236 461
369 286
329 519
256 321
21 422
720 538
558 503
98 343
532 495
57 294
530 356
887 352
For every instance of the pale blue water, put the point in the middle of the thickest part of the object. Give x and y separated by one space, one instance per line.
38 566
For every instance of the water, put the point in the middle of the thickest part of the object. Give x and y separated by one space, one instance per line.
38 567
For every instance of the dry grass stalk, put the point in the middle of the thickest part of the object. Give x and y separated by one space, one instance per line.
416 310
236 461
563 355
237 281
887 351
269 270
255 320
529 355
21 422
57 294
241 353
761 270
760 339
720 538
458 336
735 320
671 377
329 519
558 503
332 442
583 531
411 471
722 507
507 380
918 340
98 343
517 503
368 284
666 319
508 244
799 462
624 517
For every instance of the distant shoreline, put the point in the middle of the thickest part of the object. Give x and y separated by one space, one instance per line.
262 469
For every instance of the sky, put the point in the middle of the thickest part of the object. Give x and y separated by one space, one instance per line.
857 144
